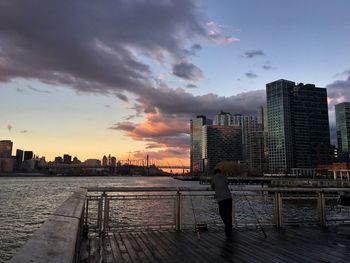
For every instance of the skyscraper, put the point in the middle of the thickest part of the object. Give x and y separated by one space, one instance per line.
221 143
298 126
342 117
196 162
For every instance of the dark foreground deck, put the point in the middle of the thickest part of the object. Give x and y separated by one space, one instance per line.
289 245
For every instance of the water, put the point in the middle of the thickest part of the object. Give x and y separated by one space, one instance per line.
26 202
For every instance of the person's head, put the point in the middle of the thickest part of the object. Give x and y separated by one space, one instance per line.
217 170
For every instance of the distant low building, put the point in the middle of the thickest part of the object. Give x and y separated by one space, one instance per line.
28 155
67 159
92 162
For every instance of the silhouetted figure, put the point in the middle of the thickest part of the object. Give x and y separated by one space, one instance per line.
224 199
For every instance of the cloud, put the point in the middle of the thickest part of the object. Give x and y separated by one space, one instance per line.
253 53
158 131
107 106
24 131
187 71
344 73
215 34
162 155
9 127
251 75
19 90
191 86
339 91
37 90
122 97
267 67
129 117
99 44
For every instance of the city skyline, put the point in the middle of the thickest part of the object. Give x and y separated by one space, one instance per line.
99 87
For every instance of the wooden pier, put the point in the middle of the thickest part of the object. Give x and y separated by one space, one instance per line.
288 245
82 229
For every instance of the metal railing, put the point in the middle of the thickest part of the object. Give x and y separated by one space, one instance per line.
126 208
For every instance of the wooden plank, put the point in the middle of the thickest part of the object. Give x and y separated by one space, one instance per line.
117 255
123 250
175 240
148 253
130 249
139 251
158 252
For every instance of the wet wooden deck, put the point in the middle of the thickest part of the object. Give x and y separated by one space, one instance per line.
289 245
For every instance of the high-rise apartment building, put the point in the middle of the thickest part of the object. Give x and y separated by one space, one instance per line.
298 126
222 118
5 149
6 161
196 160
248 124
262 118
342 117
221 143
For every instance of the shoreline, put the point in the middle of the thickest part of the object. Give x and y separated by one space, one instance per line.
76 175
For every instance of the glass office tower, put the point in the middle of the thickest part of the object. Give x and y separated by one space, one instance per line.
342 117
298 126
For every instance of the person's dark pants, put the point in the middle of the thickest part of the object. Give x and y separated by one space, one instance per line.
225 210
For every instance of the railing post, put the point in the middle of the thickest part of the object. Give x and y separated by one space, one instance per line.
178 211
106 213
278 209
233 210
322 209
100 213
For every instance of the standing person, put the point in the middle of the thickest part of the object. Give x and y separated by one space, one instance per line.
224 199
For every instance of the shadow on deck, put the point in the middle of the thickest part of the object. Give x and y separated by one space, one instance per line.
331 244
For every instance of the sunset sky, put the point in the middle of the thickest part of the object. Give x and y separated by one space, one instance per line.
90 78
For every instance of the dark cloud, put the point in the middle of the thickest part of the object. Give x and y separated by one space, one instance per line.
94 46
187 71
38 90
267 67
191 86
107 106
196 47
129 117
253 53
122 97
251 75
178 101
24 131
19 90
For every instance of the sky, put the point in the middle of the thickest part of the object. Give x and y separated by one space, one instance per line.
124 77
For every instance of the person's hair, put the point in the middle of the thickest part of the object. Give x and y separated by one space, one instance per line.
217 170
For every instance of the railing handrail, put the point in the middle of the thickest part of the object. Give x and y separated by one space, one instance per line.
203 189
